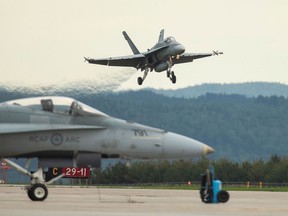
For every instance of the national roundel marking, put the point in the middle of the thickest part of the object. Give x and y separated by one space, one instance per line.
56 139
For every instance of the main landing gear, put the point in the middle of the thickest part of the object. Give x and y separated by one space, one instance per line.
37 190
140 80
171 76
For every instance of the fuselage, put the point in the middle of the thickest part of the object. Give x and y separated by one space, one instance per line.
174 48
30 131
164 51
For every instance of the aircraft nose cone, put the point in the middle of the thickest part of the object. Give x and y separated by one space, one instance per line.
180 49
207 149
176 50
178 146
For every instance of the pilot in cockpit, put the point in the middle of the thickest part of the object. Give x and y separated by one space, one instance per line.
47 105
74 108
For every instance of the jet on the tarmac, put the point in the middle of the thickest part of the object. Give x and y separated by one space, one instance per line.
161 57
63 132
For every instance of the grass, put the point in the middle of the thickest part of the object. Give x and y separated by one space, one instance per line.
182 187
197 187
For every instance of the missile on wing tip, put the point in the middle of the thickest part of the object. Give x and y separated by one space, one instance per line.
217 53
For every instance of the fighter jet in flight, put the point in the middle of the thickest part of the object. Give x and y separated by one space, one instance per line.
63 132
161 57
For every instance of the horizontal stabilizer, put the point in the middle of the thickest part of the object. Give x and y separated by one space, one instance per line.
28 128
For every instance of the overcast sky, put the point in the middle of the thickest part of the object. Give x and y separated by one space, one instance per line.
44 42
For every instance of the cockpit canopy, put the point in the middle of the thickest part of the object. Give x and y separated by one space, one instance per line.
169 39
59 105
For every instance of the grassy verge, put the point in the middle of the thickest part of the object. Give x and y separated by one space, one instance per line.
197 187
173 187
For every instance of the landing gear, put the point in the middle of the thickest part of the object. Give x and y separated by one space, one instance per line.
171 76
37 190
140 80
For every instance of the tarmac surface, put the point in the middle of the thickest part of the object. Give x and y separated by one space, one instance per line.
67 201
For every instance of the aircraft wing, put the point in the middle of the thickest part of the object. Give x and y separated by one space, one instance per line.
125 61
189 57
29 128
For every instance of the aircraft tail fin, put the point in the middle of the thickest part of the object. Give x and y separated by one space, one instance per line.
131 44
161 36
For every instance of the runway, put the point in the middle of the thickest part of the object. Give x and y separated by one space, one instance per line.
67 201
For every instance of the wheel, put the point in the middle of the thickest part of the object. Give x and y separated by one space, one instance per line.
38 192
29 193
223 196
208 196
140 80
173 78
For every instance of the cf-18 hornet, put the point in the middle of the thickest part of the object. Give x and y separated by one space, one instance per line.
63 132
161 57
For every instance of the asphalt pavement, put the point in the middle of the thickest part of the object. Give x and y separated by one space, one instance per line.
76 201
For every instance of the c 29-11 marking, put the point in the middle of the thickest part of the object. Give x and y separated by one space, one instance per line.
70 172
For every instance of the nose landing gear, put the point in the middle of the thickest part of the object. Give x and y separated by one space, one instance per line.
37 190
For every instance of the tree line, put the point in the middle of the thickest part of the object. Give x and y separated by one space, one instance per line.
274 170
237 127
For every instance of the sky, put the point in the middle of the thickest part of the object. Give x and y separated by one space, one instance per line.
43 43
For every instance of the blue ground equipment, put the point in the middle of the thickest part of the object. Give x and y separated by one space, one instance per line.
211 189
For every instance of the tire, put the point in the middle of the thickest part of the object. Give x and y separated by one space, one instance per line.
29 193
223 196
206 195
38 192
173 79
140 81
